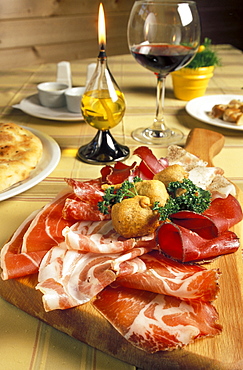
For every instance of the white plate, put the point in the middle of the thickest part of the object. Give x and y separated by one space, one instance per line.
201 107
49 160
32 106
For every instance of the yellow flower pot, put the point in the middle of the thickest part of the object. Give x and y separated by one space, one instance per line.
191 83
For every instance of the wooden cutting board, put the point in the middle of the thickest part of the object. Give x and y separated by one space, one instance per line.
224 352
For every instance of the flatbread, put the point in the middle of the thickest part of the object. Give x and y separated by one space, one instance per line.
20 151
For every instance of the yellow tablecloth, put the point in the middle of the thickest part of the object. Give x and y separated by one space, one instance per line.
25 342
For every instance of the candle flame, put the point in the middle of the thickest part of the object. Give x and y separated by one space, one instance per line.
101 28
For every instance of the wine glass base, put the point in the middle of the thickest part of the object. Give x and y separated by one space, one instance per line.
157 137
103 149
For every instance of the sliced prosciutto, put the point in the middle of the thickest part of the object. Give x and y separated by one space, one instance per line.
15 264
70 278
88 191
185 245
45 231
100 237
79 210
165 276
155 322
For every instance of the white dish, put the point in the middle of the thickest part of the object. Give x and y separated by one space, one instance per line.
31 105
51 94
48 162
199 108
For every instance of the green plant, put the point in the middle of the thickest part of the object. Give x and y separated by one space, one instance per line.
205 56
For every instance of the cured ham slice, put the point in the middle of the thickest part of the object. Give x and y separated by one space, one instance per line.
155 322
100 237
88 191
70 278
22 264
45 231
79 210
165 276
14 263
186 246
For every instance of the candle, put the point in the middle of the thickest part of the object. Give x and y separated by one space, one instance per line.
101 28
103 107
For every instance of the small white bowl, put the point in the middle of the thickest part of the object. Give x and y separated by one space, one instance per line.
73 98
51 94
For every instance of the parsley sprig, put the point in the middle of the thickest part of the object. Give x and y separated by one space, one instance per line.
191 198
184 195
113 195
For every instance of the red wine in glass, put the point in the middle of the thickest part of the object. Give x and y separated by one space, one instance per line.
163 36
162 58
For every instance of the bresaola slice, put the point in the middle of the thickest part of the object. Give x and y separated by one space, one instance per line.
149 165
116 174
200 237
185 245
219 217
156 322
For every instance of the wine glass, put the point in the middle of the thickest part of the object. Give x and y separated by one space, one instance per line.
163 37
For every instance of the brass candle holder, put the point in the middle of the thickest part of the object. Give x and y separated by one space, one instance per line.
103 107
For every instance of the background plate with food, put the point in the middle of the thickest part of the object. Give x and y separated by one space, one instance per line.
200 108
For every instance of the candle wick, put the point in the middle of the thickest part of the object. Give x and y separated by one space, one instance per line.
102 53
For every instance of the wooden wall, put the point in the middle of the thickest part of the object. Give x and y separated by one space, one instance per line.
36 31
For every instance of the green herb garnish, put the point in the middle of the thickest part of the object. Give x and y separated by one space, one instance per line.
184 196
113 195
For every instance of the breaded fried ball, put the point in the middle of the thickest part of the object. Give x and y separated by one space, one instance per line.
154 189
175 172
133 217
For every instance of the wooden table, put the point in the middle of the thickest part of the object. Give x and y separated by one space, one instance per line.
25 342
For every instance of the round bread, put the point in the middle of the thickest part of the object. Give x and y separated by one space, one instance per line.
20 151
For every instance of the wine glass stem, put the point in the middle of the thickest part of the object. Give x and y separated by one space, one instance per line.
159 123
